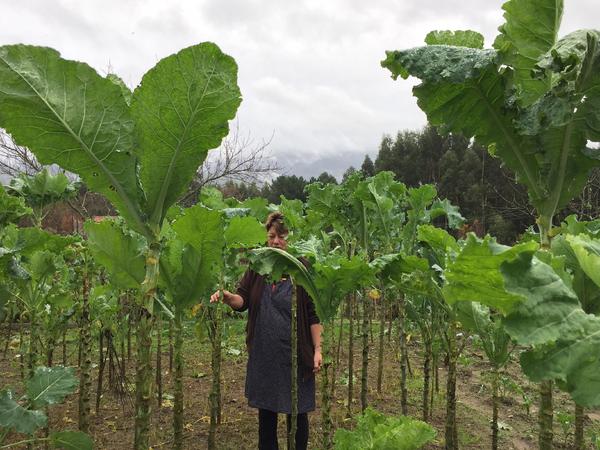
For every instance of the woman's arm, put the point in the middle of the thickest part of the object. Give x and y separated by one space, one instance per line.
315 331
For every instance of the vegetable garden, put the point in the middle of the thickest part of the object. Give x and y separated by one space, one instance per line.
404 297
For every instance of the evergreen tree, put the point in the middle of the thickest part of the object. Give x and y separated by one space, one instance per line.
367 168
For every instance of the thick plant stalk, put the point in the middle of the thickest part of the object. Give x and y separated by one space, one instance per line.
351 303
178 382
326 398
159 390
64 346
170 346
451 433
32 360
144 379
426 378
579 418
403 355
215 393
294 375
101 364
495 377
381 337
546 416
85 375
365 354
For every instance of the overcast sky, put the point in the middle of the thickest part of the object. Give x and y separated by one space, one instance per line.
308 69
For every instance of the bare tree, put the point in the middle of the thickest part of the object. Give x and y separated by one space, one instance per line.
14 159
238 159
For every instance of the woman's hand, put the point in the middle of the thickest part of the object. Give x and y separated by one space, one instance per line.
318 360
229 298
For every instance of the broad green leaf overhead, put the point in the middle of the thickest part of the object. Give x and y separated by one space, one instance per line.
458 38
71 440
245 232
67 114
197 227
474 275
181 110
121 252
50 385
530 30
440 63
14 416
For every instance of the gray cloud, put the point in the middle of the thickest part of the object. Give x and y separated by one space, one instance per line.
308 70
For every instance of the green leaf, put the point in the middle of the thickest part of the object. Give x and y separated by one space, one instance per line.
474 275
378 432
244 232
566 340
530 30
258 207
458 38
14 416
43 188
587 252
42 264
200 230
181 110
50 385
67 114
71 440
275 262
124 89
439 240
445 208
393 266
11 208
440 63
334 278
120 251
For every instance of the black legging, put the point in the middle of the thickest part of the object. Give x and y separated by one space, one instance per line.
267 430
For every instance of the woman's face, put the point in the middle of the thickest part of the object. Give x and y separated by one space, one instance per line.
276 240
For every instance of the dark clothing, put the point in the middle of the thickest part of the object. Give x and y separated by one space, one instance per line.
251 289
267 430
268 377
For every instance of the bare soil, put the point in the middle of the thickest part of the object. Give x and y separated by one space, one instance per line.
112 427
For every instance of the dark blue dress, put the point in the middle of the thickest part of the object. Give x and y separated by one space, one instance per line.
268 378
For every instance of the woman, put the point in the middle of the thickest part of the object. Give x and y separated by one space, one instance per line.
268 331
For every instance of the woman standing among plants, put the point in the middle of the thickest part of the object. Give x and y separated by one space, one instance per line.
268 339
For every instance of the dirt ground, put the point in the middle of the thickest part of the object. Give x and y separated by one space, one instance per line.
112 427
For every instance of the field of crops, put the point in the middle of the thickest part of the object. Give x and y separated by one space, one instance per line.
433 337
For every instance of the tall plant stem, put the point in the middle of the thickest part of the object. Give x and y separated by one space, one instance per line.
85 342
159 387
365 353
546 413
351 302
495 377
546 416
170 346
101 364
426 377
143 382
294 374
381 336
403 354
579 418
325 391
215 393
451 433
178 382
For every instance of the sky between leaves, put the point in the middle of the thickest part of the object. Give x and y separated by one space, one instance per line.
308 69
